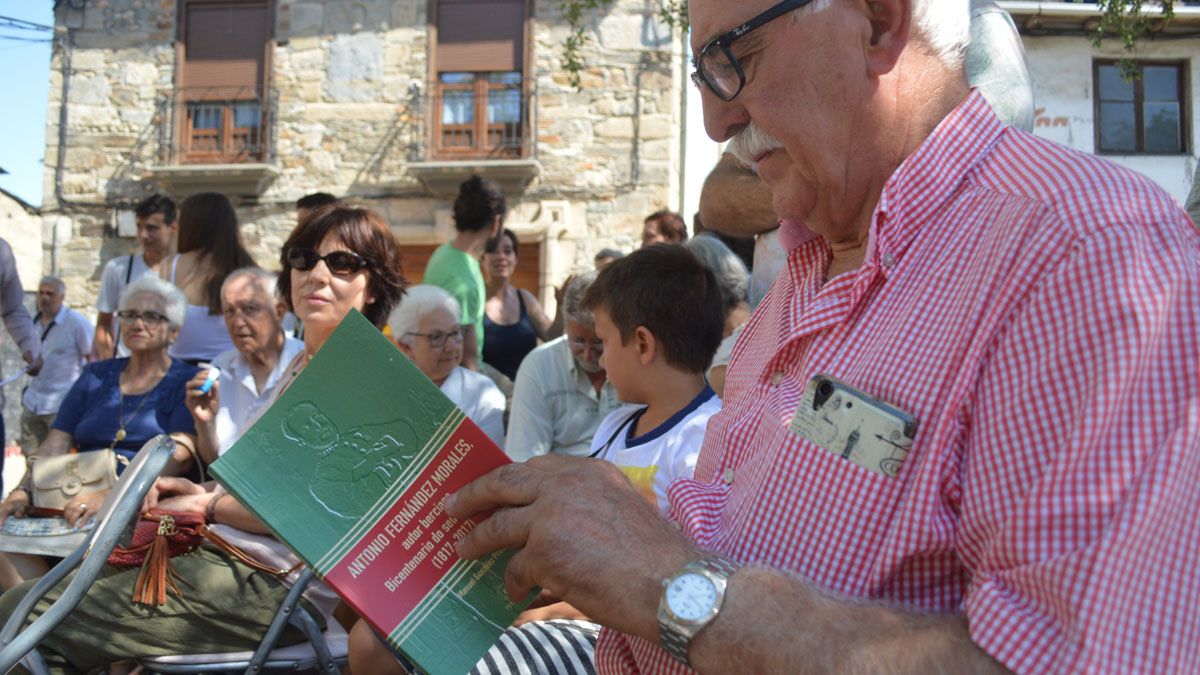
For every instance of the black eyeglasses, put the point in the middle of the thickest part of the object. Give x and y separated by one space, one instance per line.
718 68
437 339
342 263
149 317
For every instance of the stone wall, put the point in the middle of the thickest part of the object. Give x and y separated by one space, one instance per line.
350 80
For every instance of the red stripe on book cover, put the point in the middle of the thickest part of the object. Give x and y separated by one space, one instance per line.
411 547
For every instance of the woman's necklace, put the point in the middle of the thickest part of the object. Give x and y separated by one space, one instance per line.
122 422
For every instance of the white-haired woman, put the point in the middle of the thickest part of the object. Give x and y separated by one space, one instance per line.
427 327
734 280
119 404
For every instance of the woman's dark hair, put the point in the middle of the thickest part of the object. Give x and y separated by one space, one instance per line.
478 203
364 233
495 243
670 225
208 225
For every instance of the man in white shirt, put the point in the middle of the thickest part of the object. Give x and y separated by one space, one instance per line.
66 341
561 393
156 233
250 371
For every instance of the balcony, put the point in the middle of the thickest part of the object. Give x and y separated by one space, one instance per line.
479 123
1049 17
219 139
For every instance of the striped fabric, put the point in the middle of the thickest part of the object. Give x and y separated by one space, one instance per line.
557 647
1037 309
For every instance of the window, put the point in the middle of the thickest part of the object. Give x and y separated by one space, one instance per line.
220 104
1147 115
479 103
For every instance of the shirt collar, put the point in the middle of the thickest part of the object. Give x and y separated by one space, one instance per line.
927 179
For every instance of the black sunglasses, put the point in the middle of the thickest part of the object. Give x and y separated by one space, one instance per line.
718 68
339 262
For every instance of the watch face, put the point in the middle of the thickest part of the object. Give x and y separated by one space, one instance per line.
691 597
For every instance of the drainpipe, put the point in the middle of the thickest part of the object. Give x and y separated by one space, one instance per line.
65 45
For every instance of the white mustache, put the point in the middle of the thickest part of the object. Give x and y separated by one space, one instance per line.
750 143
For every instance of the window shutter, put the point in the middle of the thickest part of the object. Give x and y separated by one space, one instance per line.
480 35
224 49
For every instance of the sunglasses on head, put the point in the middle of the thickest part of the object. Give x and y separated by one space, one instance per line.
338 262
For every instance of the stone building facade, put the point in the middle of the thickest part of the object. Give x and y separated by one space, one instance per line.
350 102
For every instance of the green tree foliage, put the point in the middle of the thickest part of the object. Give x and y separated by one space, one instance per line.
674 13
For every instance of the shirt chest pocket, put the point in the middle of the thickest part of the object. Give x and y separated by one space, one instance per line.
810 511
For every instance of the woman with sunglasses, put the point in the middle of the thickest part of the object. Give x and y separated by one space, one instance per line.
338 259
117 405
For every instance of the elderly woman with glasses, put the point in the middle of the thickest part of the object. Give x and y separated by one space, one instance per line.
118 405
337 260
427 328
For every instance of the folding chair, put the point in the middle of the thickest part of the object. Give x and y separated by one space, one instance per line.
119 510
325 652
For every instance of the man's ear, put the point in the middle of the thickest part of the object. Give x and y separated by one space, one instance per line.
647 346
891 26
280 309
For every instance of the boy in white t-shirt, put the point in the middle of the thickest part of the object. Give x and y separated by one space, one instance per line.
660 315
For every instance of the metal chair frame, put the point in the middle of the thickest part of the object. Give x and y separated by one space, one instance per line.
119 510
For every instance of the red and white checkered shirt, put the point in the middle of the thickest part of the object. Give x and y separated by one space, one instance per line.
1037 309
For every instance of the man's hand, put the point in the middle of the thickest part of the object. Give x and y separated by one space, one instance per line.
202 406
168 487
584 533
35 362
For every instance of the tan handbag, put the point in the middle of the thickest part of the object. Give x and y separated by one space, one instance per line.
57 479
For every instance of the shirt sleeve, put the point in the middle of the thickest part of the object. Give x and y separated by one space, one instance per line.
84 331
12 303
530 422
1081 465
491 404
110 284
75 403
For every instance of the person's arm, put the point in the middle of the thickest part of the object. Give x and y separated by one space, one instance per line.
530 420
12 309
83 336
181 494
19 499
584 533
104 343
470 358
204 409
735 201
543 325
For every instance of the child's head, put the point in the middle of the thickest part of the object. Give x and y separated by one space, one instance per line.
662 304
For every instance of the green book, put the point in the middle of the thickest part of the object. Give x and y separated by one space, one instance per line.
349 468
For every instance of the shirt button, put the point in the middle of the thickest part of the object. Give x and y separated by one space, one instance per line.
889 260
728 477
776 378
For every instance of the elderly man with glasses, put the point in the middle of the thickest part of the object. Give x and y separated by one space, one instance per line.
561 393
248 373
961 431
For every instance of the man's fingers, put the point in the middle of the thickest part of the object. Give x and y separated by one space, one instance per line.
506 528
518 577
509 485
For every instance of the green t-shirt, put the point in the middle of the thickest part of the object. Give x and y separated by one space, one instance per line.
459 274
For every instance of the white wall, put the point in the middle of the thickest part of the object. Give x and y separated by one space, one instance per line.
701 153
1063 91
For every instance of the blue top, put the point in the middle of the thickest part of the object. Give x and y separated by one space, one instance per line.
504 347
90 410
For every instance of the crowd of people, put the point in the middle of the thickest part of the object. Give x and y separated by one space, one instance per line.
957 431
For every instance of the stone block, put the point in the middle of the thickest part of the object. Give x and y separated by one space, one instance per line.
89 89
305 18
656 126
615 127
88 59
304 60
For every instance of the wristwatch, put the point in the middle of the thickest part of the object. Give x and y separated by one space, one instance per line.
691 599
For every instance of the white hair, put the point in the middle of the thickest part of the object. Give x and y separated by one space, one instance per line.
732 276
267 281
173 299
944 26
419 302
55 282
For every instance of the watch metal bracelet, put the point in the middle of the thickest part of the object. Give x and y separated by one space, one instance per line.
671 639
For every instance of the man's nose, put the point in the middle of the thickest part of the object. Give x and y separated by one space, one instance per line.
722 119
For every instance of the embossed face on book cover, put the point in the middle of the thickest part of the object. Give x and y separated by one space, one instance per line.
355 465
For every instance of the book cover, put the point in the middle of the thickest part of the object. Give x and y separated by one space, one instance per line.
349 468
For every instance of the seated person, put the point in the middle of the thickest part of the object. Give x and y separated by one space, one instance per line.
338 259
117 405
250 371
427 326
660 314
561 392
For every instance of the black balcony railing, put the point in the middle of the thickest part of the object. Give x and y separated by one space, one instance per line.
481 119
225 125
